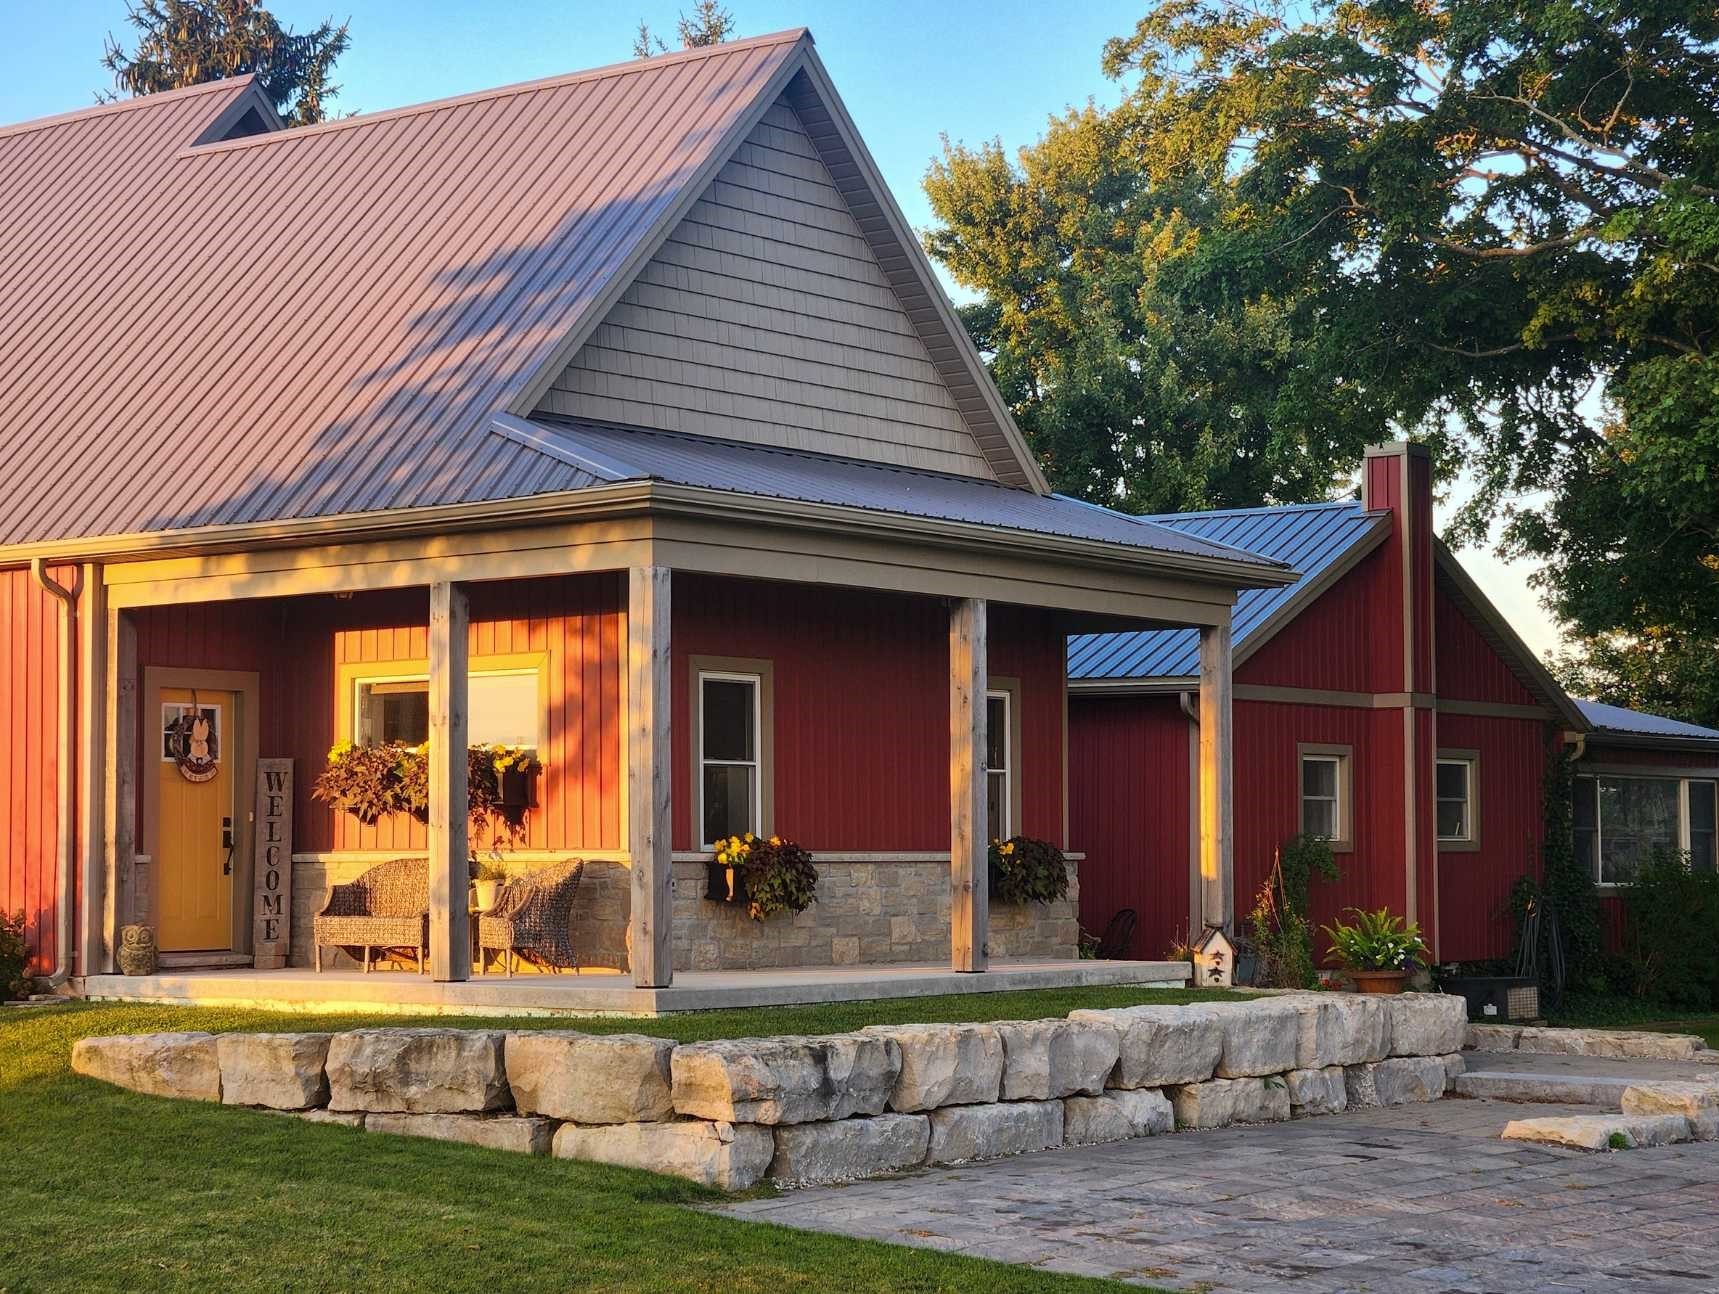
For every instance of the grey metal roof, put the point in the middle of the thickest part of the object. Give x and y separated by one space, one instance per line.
627 453
1615 718
1310 538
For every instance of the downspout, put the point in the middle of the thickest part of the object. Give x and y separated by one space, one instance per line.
67 823
1186 701
1578 743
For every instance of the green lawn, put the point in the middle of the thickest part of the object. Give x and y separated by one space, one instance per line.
106 1189
1631 1013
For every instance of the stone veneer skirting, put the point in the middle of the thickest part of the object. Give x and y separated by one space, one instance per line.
866 914
729 1113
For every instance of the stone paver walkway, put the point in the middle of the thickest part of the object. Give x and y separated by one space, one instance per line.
1419 1199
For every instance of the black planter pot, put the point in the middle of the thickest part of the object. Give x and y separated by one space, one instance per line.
516 789
722 884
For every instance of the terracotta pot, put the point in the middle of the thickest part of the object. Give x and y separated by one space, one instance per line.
1378 981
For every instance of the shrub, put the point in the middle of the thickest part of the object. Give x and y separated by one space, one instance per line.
1378 941
372 782
14 956
1024 870
1281 933
776 875
1671 932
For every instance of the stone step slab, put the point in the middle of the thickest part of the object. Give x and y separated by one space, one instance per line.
590 1078
185 1065
1616 1043
1048 1059
1596 1131
1401 1080
1691 1100
963 1132
281 1071
1427 1024
417 1071
849 1148
526 1136
1116 1116
1161 1046
1550 1089
726 1156
1492 1037
1219 1102
943 1064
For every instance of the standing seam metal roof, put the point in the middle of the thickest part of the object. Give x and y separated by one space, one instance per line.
1615 718
1310 538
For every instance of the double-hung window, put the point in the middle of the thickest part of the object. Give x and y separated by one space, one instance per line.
999 768
730 726
1325 793
1454 796
1620 820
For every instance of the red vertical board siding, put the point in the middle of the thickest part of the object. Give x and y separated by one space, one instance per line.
1130 792
861 694
1468 667
29 761
1475 885
1340 642
297 646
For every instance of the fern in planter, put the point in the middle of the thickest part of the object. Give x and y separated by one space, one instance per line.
1023 870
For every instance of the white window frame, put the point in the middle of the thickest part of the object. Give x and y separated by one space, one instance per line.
355 715
1342 799
1470 763
1009 757
1685 832
756 763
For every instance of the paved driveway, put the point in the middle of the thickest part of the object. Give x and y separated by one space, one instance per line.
1417 1199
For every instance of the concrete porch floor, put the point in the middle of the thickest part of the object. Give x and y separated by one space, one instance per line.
607 992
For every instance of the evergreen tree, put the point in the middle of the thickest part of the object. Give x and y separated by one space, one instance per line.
708 24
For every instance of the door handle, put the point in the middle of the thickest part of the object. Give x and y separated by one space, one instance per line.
227 844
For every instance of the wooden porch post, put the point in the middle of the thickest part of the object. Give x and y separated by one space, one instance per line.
649 807
969 894
118 718
450 931
1217 821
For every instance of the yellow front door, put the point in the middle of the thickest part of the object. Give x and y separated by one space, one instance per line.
195 827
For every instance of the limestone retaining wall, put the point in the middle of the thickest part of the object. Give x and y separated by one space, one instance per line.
866 913
807 1109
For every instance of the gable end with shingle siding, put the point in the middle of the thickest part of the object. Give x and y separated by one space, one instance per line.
765 317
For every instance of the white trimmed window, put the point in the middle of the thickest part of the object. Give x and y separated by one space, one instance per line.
1325 794
999 768
1454 795
503 708
1620 821
730 718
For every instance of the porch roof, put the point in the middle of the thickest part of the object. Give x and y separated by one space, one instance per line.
607 454
1615 721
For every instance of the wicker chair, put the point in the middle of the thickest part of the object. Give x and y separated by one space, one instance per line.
533 919
388 907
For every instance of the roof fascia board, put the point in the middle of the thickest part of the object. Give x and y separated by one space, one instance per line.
1310 591
820 81
1523 662
1602 737
1167 686
136 102
531 393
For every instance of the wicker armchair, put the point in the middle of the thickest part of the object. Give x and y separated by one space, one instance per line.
388 907
533 919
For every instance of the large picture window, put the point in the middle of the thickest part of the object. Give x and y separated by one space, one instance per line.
1325 793
729 721
1620 820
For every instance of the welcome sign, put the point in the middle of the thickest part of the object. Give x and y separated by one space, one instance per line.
271 938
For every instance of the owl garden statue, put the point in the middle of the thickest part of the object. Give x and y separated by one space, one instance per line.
136 950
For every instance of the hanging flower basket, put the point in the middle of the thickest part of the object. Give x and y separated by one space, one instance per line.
373 782
770 877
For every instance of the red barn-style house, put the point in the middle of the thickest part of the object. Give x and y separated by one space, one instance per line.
1382 702
616 417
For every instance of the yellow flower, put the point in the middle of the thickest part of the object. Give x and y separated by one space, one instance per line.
750 837
1006 848
722 858
775 841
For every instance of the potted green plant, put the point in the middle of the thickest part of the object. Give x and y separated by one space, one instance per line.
1378 952
770 876
1024 870
487 880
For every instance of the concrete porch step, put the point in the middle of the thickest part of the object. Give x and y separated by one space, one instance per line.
203 961
1525 1086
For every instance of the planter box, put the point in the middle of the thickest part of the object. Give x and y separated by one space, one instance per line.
1497 998
723 884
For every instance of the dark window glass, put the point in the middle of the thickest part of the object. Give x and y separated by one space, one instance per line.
728 719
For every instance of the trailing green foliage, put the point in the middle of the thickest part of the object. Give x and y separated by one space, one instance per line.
1279 926
1024 870
1568 881
780 878
373 781
1377 941
14 956
1671 932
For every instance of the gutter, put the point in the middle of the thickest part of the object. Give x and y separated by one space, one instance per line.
1186 701
66 826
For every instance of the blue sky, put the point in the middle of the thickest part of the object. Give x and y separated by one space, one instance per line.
909 73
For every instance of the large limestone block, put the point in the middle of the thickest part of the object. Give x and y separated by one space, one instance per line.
1317 1091
1616 1043
863 1070
1596 1131
944 1064
962 1132
1161 1045
1402 1080
1427 1024
340 1118
525 1136
161 1064
1260 1037
1116 1116
417 1071
1047 1059
1492 1037
752 1080
1219 1102
1341 1029
1692 1100
850 1148
283 1071
590 1078
728 1156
